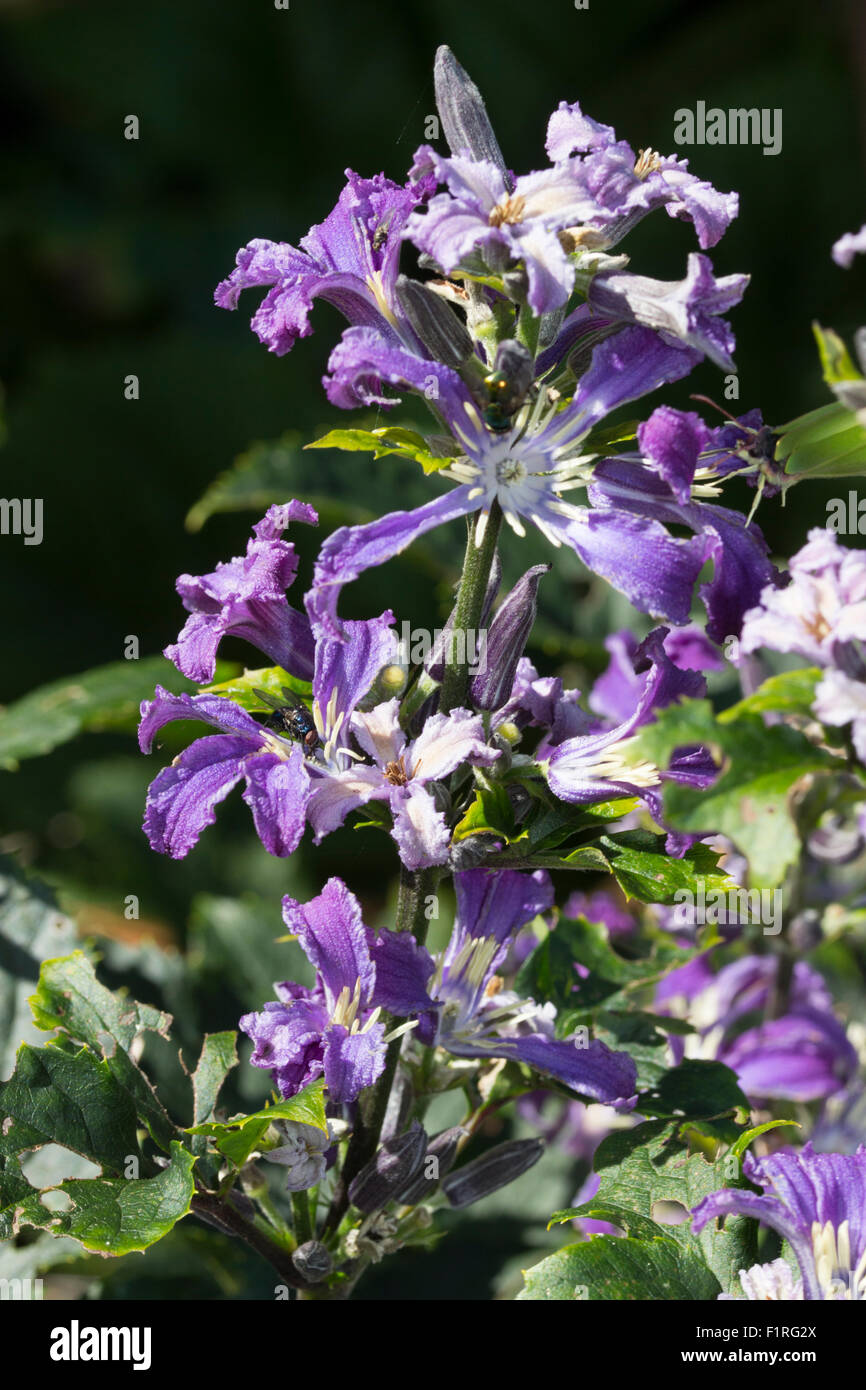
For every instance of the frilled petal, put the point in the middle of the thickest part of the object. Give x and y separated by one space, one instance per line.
446 741
353 1061
182 798
364 361
624 367
351 550
656 571
497 903
334 795
288 1042
276 792
403 971
347 664
333 936
379 733
420 828
210 709
671 441
246 597
848 246
686 311
570 132
741 568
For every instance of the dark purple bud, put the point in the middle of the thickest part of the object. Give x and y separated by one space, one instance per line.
492 1170
506 639
437 327
383 1179
469 853
463 113
438 1160
313 1262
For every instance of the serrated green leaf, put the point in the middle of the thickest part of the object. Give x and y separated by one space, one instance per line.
792 692
116 1216
70 998
620 1267
651 1164
32 929
695 1089
218 1057
749 801
70 1099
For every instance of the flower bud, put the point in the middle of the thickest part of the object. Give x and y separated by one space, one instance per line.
384 1178
439 330
492 1170
463 113
443 1149
313 1262
506 639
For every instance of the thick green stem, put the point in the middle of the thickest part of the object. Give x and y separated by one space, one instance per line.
467 613
301 1217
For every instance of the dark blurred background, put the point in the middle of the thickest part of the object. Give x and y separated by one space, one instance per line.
112 248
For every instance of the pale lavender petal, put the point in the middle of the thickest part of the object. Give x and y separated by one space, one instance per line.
420 829
446 741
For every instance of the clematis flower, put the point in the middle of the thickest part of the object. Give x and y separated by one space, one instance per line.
682 311
350 259
803 1055
815 1201
660 484
596 766
822 609
278 772
526 470
624 187
618 689
400 772
246 597
302 1154
462 1001
333 1029
488 218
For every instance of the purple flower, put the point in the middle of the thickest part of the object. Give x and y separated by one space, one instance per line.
400 772
526 469
685 311
247 598
848 246
351 260
661 486
817 1202
597 766
619 688
484 215
624 187
331 1030
822 609
279 774
803 1055
465 1007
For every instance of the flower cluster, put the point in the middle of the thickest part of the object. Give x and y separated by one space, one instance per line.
522 333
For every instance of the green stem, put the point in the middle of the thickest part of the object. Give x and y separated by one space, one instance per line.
467 613
226 1218
301 1217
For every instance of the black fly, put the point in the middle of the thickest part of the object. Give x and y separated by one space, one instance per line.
290 716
